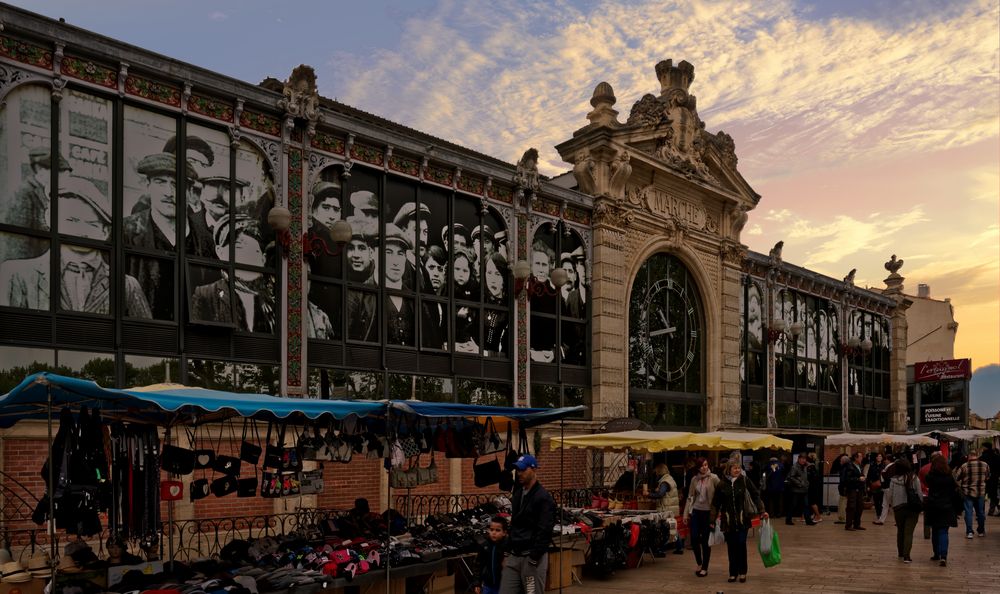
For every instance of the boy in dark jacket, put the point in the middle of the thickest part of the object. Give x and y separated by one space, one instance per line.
489 561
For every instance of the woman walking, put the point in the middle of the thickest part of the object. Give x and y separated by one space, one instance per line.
873 480
701 493
905 498
815 473
736 499
940 507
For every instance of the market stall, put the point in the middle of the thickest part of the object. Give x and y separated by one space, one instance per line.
123 481
664 441
879 439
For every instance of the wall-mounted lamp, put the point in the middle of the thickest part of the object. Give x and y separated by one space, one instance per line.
855 345
524 280
777 329
280 219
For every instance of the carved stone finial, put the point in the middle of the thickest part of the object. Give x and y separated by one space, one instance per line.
849 279
775 253
526 176
893 265
300 97
603 95
674 77
603 101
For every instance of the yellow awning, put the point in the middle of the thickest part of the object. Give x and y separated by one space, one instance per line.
662 441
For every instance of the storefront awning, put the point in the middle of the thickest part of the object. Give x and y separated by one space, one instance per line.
662 441
864 439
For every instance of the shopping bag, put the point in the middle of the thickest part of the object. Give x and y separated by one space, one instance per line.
773 556
766 533
716 537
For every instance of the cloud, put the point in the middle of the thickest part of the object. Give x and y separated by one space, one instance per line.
796 92
217 16
754 230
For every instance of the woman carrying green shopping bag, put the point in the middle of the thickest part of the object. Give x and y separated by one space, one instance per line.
735 503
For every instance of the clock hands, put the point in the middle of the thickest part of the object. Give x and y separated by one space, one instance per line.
667 328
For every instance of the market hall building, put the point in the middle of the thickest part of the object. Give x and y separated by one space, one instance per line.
163 223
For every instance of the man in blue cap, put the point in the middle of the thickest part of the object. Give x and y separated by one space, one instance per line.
531 521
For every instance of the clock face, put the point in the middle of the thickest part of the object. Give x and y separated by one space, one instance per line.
669 330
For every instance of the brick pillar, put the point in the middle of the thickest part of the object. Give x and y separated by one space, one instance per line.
608 302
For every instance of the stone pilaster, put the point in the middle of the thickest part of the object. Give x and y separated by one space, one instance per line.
897 356
608 368
730 397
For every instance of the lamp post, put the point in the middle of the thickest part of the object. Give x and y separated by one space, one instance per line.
279 218
523 280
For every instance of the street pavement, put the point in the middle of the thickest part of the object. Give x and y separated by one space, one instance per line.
826 559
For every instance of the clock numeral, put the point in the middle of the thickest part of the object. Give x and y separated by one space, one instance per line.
690 356
690 311
694 334
670 283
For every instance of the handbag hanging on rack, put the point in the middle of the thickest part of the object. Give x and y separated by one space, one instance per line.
250 451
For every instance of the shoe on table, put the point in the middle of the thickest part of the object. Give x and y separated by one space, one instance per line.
970 536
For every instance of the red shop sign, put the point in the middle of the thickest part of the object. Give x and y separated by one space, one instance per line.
935 371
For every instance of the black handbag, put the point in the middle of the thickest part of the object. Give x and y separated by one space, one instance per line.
177 460
250 452
224 485
247 487
487 473
200 489
272 453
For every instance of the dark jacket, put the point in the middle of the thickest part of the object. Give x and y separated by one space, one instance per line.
798 480
531 521
774 480
489 563
729 504
874 474
940 504
850 477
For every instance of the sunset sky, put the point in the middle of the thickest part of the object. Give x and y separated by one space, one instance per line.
869 128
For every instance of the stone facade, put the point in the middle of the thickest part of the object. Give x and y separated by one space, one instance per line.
662 184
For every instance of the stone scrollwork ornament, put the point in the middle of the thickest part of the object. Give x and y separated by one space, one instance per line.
300 98
621 171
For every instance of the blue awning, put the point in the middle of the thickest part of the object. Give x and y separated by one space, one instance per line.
172 404
167 404
527 417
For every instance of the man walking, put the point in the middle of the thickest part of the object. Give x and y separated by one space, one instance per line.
971 478
992 459
854 486
797 488
531 520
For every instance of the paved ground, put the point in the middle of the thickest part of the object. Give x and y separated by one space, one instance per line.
826 559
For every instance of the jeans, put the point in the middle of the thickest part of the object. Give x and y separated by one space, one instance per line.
521 577
906 523
797 505
939 542
979 504
699 537
736 543
877 498
842 509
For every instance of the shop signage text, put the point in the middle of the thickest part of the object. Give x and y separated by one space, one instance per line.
936 371
932 415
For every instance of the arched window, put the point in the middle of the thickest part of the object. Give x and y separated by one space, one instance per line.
666 352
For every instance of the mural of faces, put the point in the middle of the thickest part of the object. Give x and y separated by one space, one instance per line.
554 246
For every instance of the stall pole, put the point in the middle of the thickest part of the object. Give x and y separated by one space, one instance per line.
388 507
170 515
562 489
52 493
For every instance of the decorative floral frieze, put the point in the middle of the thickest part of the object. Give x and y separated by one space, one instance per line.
261 122
89 71
212 108
368 154
328 142
153 91
294 305
296 135
473 185
578 216
546 207
440 175
404 165
501 193
26 53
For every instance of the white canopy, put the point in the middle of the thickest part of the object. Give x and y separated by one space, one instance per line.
859 439
967 434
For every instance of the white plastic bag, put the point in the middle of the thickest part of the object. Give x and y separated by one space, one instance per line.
716 537
766 533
